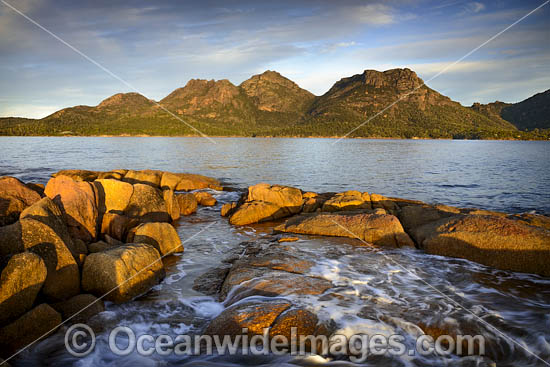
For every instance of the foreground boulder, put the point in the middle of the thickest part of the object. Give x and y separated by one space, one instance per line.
378 229
21 279
15 196
39 322
490 240
77 201
122 273
161 236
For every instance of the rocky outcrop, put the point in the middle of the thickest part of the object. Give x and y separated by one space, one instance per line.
15 196
122 273
266 202
77 201
498 242
271 271
161 236
155 178
378 229
34 325
21 278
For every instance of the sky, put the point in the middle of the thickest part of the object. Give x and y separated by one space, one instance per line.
157 46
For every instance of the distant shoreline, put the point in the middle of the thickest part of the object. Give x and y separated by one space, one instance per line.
253 137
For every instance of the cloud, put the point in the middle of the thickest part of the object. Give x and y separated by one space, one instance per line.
474 7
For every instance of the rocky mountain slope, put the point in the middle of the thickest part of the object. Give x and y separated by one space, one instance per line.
269 104
529 114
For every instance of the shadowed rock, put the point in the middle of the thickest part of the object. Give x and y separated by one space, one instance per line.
147 204
15 196
21 279
38 323
80 307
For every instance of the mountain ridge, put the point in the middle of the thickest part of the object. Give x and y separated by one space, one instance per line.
269 104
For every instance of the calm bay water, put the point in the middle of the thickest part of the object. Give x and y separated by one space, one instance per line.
512 176
371 294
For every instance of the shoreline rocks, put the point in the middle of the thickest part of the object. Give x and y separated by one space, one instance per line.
67 243
519 242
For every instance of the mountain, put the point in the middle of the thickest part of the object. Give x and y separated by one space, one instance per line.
491 110
272 92
210 100
529 114
420 112
532 113
269 104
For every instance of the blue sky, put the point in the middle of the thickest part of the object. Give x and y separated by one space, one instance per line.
157 46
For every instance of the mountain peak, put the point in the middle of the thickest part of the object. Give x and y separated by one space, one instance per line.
125 100
272 92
